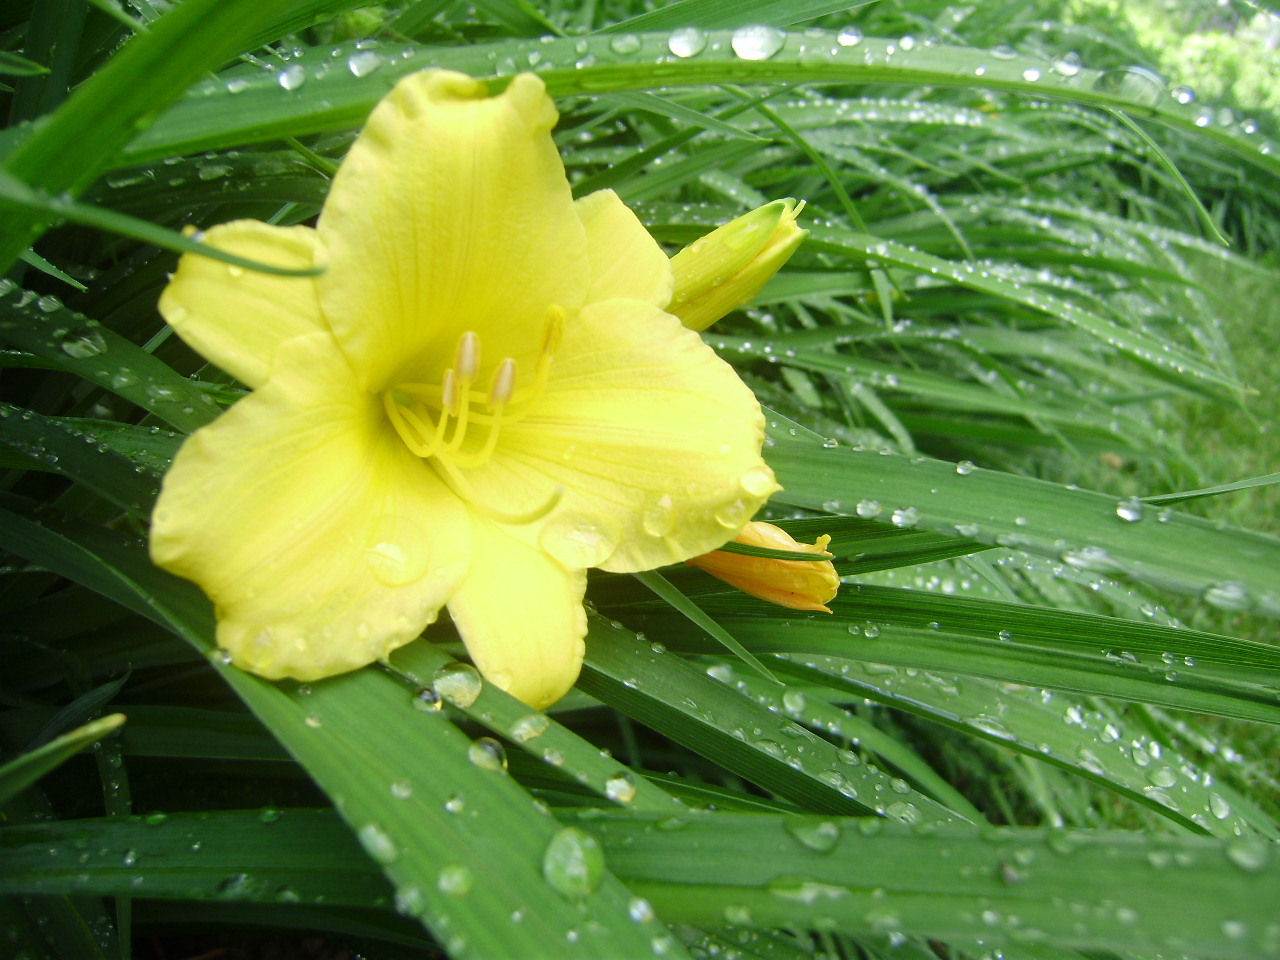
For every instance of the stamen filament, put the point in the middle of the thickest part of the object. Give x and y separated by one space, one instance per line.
425 435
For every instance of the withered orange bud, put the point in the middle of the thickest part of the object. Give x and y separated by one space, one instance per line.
798 584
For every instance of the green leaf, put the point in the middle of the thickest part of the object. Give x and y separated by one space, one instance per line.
71 341
122 98
57 445
732 13
1055 729
462 842
13 65
17 194
1230 568
1164 498
659 585
20 773
537 734
681 702
1019 643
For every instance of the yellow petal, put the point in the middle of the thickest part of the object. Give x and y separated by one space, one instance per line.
322 542
237 317
451 213
520 615
798 584
625 260
654 439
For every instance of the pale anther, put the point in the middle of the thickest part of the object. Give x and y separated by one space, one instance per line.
467 359
450 395
503 384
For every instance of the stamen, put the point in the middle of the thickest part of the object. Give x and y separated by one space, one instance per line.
409 409
450 398
467 357
502 385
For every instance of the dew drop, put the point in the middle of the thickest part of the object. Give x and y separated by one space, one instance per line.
459 683
1136 84
89 344
377 844
487 754
455 804
639 910
578 541
757 42
455 880
965 467
620 788
625 43
363 63
427 700
658 518
906 517
1248 854
529 727
758 481
868 509
849 37
292 76
1031 74
871 631
732 515
687 42
573 864
401 790
793 702
815 833
1067 65
400 552
1183 95
1228 595
1219 807
1131 510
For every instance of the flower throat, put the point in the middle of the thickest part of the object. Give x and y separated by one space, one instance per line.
422 414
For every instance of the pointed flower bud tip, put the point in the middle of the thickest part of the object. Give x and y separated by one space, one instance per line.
726 268
798 584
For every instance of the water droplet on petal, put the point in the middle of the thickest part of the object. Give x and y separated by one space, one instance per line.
578 541
758 481
658 518
399 551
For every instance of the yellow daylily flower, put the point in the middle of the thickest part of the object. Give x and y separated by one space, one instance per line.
479 398
725 269
798 584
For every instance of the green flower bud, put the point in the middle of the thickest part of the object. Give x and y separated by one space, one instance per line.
727 267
